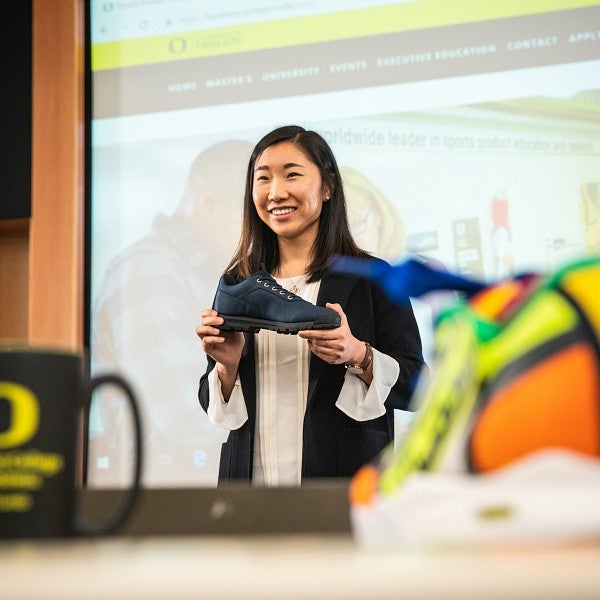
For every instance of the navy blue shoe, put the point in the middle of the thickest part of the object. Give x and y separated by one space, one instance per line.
259 302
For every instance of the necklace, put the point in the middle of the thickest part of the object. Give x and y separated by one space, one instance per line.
294 288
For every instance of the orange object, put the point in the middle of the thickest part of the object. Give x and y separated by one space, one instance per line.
554 403
363 486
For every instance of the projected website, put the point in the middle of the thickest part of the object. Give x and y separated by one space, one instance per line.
466 134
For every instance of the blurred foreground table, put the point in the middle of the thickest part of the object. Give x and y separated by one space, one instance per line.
289 566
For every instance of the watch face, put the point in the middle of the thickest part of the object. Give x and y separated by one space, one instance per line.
355 369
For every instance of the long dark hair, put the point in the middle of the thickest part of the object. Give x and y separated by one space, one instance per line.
258 244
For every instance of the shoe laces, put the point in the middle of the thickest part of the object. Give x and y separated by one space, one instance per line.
276 288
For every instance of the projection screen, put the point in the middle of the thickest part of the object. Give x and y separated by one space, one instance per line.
467 132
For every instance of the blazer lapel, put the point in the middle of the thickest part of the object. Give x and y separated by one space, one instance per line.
334 288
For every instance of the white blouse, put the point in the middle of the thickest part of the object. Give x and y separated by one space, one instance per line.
282 363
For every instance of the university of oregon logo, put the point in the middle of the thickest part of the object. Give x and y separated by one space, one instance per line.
22 471
24 415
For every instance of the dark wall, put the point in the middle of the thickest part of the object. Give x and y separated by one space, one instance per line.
15 109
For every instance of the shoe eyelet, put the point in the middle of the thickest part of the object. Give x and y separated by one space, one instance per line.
282 292
259 280
290 297
275 289
266 285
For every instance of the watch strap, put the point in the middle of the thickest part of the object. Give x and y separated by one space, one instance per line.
362 367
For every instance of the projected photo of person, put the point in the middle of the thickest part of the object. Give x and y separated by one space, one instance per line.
144 316
501 237
589 214
375 222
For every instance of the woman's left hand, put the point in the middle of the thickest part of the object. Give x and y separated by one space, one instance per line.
335 346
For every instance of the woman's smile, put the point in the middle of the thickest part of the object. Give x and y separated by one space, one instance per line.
282 212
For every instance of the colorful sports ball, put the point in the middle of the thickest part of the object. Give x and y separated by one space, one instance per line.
516 369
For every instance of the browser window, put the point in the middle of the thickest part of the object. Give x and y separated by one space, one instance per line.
467 133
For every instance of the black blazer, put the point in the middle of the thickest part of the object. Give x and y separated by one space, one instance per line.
334 445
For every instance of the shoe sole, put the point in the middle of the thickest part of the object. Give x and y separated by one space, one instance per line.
249 325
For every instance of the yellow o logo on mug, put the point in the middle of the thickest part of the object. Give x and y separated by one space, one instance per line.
25 414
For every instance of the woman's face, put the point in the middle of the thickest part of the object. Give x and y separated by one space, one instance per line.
288 192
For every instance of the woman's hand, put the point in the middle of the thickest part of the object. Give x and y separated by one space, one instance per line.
224 346
335 346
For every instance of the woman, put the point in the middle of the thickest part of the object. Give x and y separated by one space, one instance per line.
293 407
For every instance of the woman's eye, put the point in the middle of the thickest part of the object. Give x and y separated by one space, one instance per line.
293 174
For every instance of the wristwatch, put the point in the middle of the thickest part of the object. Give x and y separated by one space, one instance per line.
360 369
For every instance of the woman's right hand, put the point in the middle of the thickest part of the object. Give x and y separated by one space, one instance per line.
225 347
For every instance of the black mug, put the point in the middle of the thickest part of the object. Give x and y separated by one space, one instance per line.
45 396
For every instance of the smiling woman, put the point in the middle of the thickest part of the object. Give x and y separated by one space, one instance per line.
288 195
320 404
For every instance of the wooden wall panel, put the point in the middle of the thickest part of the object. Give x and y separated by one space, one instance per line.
14 256
56 230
